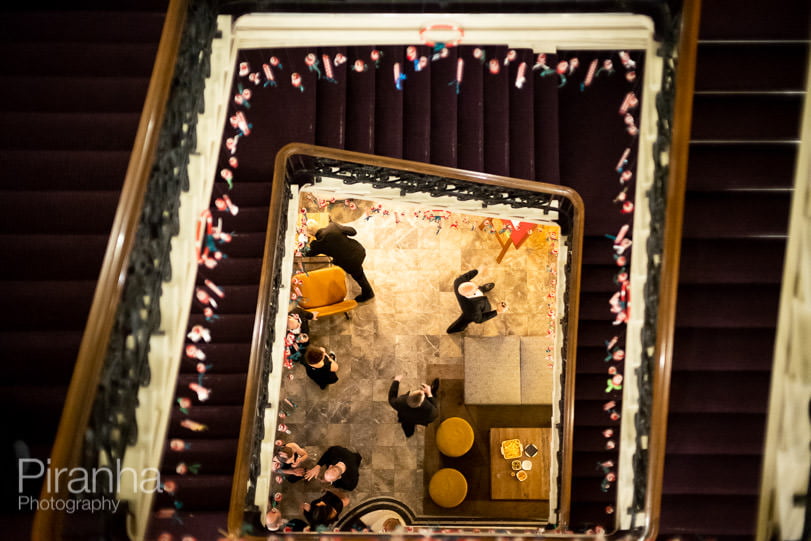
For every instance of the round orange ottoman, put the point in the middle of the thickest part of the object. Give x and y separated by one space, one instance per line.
454 437
448 487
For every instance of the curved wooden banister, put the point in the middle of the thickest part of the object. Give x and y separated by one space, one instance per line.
78 404
666 316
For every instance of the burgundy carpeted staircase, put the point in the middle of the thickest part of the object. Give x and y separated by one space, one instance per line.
741 166
73 86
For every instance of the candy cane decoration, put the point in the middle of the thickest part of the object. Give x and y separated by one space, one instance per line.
199 332
520 76
203 393
398 76
270 80
327 68
623 161
590 73
213 287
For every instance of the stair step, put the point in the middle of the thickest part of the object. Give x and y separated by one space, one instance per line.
239 299
361 101
592 387
417 107
222 422
738 166
330 130
49 94
746 214
590 413
42 405
52 352
444 110
234 270
724 306
747 117
79 257
719 392
200 492
249 220
585 464
245 244
522 115
496 90
227 357
784 20
65 170
227 327
203 524
388 102
737 349
728 66
46 131
89 23
689 514
46 305
591 360
591 439
732 261
719 475
715 433
58 212
69 59
470 128
227 389
215 456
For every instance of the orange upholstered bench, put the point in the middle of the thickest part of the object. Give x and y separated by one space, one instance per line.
324 291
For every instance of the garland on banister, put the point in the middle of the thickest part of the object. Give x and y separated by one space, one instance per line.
112 425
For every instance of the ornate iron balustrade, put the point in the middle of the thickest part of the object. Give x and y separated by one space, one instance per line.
112 426
657 201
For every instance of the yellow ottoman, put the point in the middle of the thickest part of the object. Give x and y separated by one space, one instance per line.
454 437
448 487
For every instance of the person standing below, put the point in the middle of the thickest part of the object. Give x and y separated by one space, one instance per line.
323 511
321 366
473 302
347 253
417 407
340 467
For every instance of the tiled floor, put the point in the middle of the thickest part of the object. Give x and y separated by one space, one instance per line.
412 259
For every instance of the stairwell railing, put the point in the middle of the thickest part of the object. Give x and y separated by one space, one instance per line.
98 421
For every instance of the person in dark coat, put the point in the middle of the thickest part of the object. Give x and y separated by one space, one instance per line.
339 466
325 510
347 253
417 407
473 302
321 366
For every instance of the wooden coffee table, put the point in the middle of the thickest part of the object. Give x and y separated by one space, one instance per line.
503 485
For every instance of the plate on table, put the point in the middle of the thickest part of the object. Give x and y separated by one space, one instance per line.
511 449
531 450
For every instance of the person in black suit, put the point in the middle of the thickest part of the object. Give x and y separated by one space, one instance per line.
340 467
473 302
347 253
417 407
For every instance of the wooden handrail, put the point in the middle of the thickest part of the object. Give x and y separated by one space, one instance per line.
67 448
254 377
671 252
